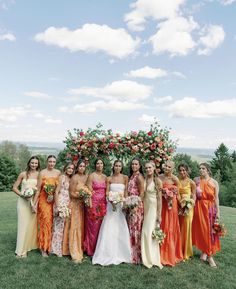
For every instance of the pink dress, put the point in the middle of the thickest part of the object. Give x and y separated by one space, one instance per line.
59 238
92 226
135 222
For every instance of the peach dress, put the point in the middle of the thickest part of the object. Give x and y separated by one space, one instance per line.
45 216
204 217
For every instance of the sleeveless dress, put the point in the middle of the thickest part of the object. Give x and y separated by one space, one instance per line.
27 222
113 245
60 237
135 222
92 227
171 249
76 233
185 223
204 218
149 247
45 216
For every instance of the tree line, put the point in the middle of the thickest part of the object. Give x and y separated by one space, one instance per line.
14 157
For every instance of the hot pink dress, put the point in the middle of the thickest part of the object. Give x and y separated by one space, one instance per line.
92 226
135 222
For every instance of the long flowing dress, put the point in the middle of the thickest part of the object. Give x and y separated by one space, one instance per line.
185 223
27 222
60 235
45 216
92 226
204 218
113 245
149 247
171 249
76 234
135 221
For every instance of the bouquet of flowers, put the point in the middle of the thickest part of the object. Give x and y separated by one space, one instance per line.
85 194
169 193
97 212
64 211
131 202
115 198
49 190
29 192
219 229
186 204
158 235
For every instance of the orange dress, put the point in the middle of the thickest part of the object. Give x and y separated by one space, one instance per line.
45 216
185 223
204 217
171 249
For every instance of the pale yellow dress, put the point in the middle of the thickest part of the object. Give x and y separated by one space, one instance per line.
27 222
150 249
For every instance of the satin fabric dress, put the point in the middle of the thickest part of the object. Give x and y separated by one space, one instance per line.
171 249
45 216
149 247
92 227
113 245
135 222
185 223
27 222
204 218
60 235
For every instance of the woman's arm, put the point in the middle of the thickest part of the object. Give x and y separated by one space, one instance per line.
217 199
108 186
126 186
17 183
193 190
57 191
72 187
158 184
140 182
89 182
39 184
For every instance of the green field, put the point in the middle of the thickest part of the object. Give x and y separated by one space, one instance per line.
53 272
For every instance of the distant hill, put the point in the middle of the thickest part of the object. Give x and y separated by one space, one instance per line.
197 154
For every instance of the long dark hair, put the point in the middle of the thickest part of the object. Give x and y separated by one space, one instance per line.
207 166
115 162
51 156
80 161
28 165
130 168
186 167
96 161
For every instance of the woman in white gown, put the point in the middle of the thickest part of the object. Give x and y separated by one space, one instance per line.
113 245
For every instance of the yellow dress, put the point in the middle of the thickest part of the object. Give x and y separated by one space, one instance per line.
150 249
27 222
185 223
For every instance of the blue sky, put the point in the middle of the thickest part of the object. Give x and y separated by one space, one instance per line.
67 64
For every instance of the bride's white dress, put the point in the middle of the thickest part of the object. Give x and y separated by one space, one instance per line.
113 245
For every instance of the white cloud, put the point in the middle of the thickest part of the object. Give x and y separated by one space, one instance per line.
189 107
147 72
117 90
63 108
227 2
5 4
155 9
174 36
37 94
53 121
7 36
112 105
148 118
13 113
179 74
91 38
38 115
164 99
213 36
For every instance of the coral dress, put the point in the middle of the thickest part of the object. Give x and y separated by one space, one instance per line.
92 227
60 235
27 222
45 216
76 234
185 223
171 249
204 217
149 247
135 221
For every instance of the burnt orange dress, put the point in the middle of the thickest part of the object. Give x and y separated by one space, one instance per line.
171 249
45 216
204 217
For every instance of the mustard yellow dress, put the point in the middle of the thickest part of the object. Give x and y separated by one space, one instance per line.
185 223
150 249
27 222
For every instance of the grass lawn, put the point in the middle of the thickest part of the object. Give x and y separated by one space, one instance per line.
53 272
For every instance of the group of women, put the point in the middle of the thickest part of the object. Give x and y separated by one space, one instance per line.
121 235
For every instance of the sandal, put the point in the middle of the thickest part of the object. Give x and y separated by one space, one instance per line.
203 257
212 262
